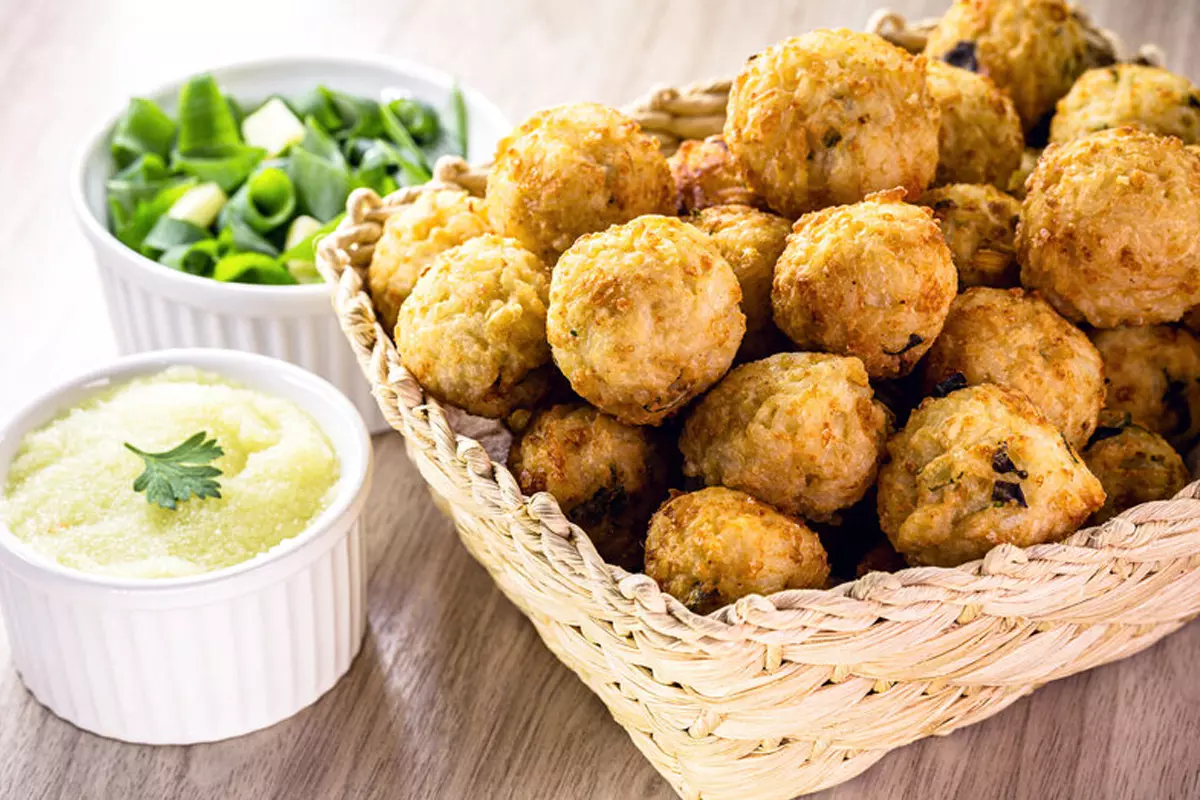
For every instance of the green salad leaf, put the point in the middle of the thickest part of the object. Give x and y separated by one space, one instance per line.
252 268
207 124
197 258
175 475
143 128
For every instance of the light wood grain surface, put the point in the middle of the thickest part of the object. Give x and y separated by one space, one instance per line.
453 695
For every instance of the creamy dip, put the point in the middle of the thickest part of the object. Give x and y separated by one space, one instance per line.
70 495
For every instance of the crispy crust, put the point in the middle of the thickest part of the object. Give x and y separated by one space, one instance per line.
980 139
1153 374
711 547
940 498
800 431
829 117
1108 229
1032 49
412 238
1133 465
874 280
979 223
1015 339
1150 98
644 317
473 330
608 477
751 241
571 170
706 175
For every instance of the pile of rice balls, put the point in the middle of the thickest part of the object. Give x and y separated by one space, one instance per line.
831 340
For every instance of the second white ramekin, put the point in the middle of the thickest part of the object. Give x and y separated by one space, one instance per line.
153 307
206 657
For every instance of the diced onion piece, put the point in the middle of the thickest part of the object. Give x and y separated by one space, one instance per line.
273 127
199 205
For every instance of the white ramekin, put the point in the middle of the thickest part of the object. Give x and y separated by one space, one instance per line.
153 307
206 657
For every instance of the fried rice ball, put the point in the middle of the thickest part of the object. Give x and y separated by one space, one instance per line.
1016 184
1150 98
571 170
412 237
711 547
1032 49
979 222
644 317
1109 227
751 241
473 331
874 280
980 139
608 477
977 468
1133 465
801 431
706 175
1015 339
1153 374
829 117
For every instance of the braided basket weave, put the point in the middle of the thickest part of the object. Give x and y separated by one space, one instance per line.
782 695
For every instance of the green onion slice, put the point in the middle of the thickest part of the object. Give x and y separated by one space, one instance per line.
133 231
458 114
225 166
238 237
266 201
169 232
252 268
207 123
143 128
197 258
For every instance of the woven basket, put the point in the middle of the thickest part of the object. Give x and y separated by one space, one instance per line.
783 695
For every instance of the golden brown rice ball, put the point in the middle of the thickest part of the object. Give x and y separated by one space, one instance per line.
801 431
1109 229
473 331
979 223
608 477
1015 339
1032 49
571 170
711 547
872 280
1150 98
705 175
1153 374
412 237
644 317
977 468
751 241
1133 465
829 117
1016 184
980 139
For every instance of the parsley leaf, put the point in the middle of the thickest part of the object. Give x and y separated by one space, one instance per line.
173 476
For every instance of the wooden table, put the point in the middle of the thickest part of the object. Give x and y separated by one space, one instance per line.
453 695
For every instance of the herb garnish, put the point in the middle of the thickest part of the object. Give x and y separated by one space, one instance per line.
174 475
950 384
1114 429
1004 492
913 341
1003 463
831 138
962 55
